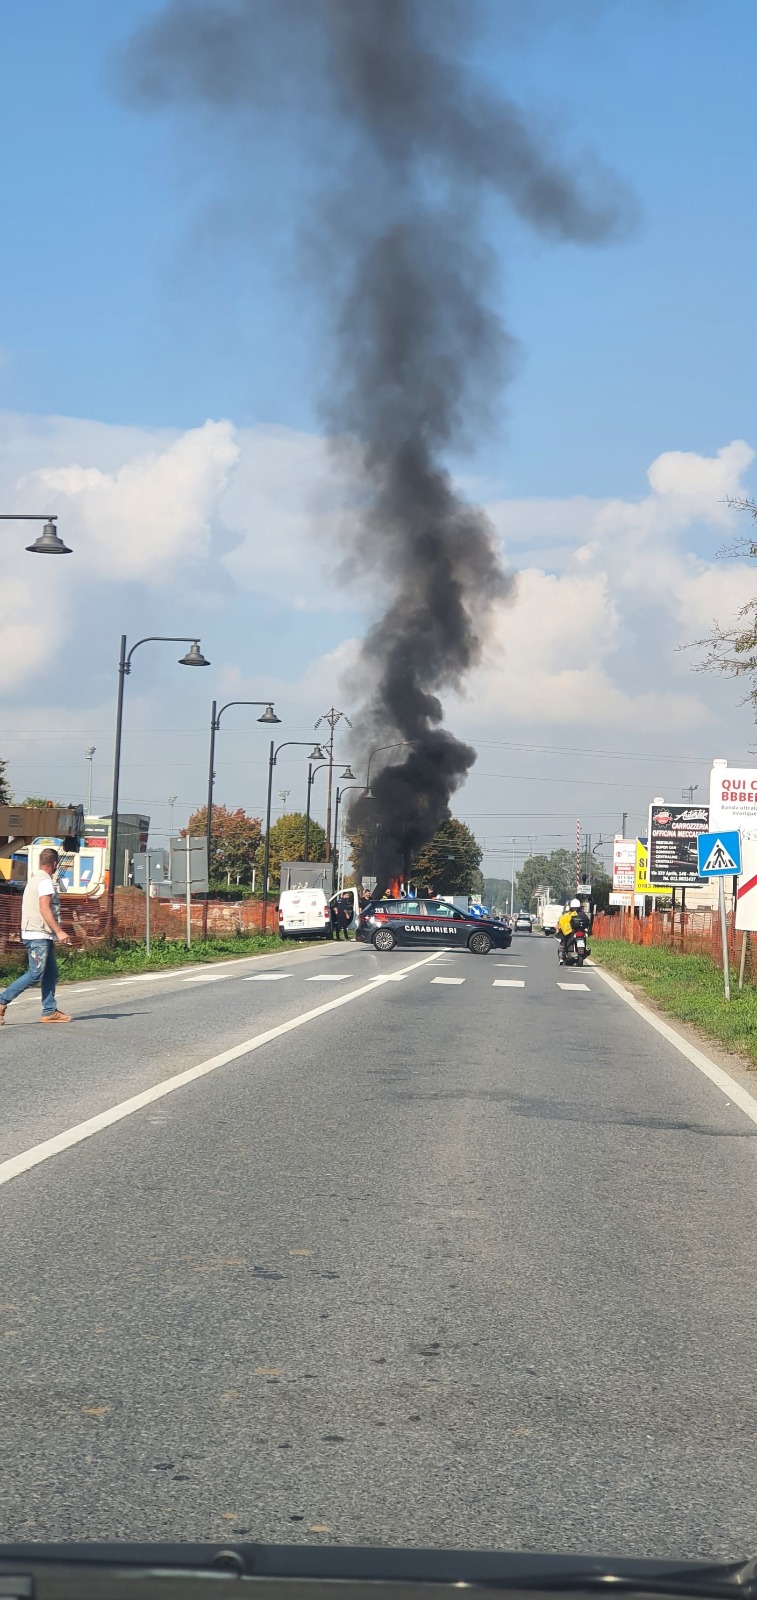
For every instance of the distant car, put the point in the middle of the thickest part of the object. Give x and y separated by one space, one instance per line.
386 923
523 923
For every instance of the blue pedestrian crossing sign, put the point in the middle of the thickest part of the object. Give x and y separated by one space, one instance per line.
719 854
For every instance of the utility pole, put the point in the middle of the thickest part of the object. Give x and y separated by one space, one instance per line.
332 717
623 824
172 798
688 794
88 755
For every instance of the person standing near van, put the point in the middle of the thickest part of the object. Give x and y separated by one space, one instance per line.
40 928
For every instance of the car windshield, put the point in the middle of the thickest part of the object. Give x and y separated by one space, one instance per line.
378 466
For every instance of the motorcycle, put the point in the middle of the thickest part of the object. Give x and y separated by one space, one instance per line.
576 950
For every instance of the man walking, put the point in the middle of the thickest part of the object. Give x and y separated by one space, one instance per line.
40 927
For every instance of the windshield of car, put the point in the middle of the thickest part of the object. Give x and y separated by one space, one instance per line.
378 507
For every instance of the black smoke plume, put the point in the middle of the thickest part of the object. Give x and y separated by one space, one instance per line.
419 143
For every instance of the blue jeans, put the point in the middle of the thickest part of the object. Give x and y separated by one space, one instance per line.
42 967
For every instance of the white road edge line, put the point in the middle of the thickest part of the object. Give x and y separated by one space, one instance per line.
723 1080
38 1153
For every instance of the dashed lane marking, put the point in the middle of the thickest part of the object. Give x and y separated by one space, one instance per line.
509 983
267 977
329 977
448 980
68 1137
207 977
574 987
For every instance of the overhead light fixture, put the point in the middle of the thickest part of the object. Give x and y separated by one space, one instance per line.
194 657
269 716
49 543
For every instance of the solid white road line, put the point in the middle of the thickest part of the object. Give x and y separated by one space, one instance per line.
266 977
509 983
448 980
126 1108
572 987
723 1080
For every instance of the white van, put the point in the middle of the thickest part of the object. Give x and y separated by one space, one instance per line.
304 913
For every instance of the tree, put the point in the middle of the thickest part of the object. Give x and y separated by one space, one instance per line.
288 844
732 650
449 863
6 798
497 892
557 872
36 800
234 841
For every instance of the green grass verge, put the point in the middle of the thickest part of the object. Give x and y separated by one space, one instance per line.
688 987
127 956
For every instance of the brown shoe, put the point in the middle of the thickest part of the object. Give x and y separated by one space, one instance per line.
56 1016
3 1010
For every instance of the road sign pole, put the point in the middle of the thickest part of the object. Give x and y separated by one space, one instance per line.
724 933
189 893
147 904
744 938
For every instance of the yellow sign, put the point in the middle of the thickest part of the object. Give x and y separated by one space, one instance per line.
642 866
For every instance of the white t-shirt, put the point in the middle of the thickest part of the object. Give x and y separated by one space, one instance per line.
40 887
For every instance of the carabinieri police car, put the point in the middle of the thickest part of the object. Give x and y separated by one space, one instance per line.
386 923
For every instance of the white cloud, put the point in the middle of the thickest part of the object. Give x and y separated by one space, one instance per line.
152 512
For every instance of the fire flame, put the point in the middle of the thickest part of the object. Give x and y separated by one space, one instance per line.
394 889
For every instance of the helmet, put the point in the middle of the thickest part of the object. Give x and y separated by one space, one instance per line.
575 905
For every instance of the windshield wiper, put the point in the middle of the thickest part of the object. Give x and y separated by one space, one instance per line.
162 1572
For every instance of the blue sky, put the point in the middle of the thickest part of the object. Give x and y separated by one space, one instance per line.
132 296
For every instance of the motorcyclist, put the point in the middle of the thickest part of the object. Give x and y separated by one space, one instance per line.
573 920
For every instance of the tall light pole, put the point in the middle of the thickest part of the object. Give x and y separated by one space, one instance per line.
316 754
332 717
350 786
193 658
49 542
311 779
269 716
172 798
88 754
402 744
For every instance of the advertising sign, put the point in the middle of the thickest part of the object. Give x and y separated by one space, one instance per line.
733 796
623 863
643 885
673 834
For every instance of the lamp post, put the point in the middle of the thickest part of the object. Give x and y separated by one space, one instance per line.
350 786
49 542
193 658
348 773
316 754
331 717
402 744
269 716
88 754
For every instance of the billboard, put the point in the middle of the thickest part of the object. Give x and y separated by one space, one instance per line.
643 885
733 796
623 864
673 834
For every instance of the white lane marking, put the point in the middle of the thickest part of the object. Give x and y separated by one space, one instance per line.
266 977
448 980
126 1108
207 977
723 1080
389 977
509 983
329 977
513 966
144 977
574 986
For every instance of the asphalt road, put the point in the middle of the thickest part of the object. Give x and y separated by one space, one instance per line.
446 1262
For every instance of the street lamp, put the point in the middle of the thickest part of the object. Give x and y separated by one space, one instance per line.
402 744
316 754
88 754
350 786
49 542
269 716
193 658
348 773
